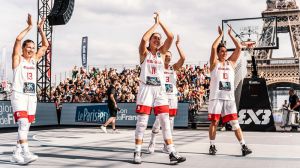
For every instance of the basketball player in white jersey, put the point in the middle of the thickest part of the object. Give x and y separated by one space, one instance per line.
152 93
221 98
23 98
171 89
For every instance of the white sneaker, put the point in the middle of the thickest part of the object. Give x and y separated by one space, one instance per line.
29 157
137 158
223 129
165 149
103 129
17 158
176 158
151 148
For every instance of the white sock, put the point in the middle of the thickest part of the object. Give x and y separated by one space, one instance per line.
138 148
25 147
18 148
242 142
18 145
212 142
153 138
171 148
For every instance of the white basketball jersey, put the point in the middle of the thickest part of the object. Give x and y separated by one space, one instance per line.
171 80
222 82
24 77
152 70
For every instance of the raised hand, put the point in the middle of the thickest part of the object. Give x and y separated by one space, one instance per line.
156 17
220 30
41 24
45 44
230 29
29 20
177 40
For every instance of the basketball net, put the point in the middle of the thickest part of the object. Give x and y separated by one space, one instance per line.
241 66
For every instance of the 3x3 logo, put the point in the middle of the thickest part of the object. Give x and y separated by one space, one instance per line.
260 117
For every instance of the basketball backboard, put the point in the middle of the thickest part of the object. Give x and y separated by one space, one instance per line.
261 30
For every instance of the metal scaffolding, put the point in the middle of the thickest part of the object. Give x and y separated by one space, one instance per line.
44 65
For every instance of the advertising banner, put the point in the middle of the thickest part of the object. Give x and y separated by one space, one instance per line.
97 114
45 115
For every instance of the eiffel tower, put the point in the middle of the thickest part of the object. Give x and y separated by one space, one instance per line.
280 70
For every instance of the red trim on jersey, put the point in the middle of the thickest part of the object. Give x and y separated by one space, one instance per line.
143 109
172 112
31 118
230 117
20 114
161 109
214 117
23 114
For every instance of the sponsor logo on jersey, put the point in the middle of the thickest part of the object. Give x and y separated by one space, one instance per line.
28 67
153 61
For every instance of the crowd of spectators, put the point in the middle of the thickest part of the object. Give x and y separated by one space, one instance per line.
91 85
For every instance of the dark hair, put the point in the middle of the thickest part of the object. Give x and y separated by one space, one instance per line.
148 48
220 46
26 41
113 80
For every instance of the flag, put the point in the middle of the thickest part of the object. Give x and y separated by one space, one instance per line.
84 48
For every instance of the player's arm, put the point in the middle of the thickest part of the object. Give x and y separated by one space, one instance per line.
145 39
214 54
238 47
41 51
181 60
168 42
17 46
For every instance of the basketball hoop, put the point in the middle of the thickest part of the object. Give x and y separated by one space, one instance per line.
249 46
